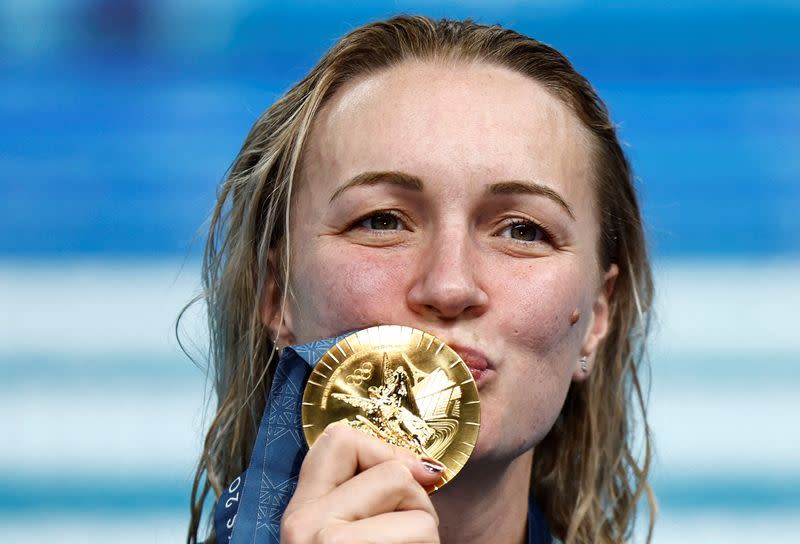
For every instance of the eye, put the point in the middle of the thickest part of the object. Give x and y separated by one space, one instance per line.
525 231
381 221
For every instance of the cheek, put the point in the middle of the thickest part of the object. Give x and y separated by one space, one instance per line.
539 309
337 293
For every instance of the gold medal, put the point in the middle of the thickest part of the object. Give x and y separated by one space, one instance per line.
401 385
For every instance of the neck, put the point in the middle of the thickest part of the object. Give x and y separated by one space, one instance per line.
486 502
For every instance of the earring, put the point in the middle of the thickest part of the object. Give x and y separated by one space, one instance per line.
584 366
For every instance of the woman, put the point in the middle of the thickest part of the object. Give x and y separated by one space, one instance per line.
466 181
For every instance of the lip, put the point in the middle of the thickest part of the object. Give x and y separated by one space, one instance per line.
480 366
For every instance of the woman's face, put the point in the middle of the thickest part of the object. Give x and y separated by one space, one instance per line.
457 200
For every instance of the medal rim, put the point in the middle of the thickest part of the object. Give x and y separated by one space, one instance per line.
352 346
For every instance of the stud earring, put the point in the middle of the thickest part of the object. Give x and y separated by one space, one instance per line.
584 365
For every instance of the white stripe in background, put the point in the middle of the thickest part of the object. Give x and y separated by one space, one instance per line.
726 433
728 308
102 428
151 430
94 308
85 308
77 529
157 428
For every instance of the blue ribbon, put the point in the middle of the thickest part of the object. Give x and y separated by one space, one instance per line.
249 511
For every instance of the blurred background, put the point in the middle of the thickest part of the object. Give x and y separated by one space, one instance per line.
119 118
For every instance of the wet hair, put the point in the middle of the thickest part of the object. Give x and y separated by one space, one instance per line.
588 473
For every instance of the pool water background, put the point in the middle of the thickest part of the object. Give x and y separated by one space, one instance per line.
110 152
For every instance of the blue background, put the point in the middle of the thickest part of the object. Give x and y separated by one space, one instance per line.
119 118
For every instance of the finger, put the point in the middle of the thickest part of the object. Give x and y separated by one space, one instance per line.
386 487
341 452
392 528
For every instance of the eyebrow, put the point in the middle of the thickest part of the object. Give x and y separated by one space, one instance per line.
399 179
529 188
413 183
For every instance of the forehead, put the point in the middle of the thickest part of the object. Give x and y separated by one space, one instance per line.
466 121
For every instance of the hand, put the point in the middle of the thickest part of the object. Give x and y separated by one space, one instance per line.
355 488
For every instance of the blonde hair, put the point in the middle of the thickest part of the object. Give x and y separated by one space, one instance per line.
587 476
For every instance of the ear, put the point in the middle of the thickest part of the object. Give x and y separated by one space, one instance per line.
276 316
598 326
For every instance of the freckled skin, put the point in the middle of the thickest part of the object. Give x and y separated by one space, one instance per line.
450 268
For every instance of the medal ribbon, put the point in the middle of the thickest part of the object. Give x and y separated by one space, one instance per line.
250 509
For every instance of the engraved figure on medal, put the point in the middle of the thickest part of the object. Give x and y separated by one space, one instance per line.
415 416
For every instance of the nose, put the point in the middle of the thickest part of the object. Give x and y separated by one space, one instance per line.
447 283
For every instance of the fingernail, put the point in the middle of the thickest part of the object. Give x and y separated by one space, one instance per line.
431 465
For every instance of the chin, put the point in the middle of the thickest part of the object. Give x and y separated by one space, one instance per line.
493 449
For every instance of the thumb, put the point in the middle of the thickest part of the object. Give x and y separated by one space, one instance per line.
427 471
